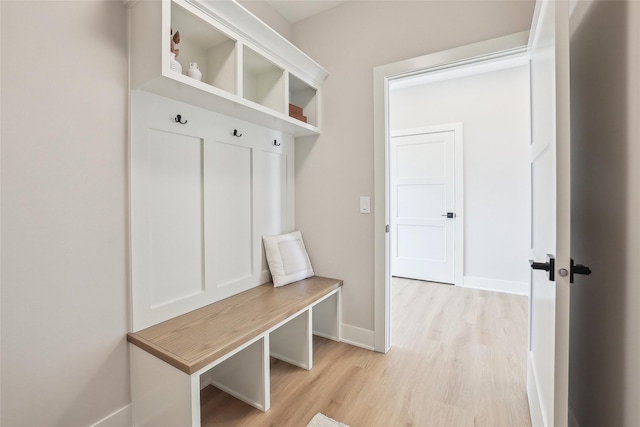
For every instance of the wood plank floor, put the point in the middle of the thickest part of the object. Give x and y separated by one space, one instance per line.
458 358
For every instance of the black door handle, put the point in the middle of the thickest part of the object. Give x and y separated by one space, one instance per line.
549 266
450 215
578 269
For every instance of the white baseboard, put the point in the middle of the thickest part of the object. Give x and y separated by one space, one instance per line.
496 285
123 417
357 336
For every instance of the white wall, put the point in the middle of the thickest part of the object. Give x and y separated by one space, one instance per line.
64 212
333 171
604 378
493 108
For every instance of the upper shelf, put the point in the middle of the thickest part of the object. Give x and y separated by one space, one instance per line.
248 70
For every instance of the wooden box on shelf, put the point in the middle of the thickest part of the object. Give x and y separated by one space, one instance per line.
297 113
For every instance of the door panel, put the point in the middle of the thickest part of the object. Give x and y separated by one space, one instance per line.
423 191
547 370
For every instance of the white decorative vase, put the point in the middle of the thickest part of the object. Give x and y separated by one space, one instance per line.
194 71
175 65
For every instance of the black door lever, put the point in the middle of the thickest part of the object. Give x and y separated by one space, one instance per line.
578 269
549 266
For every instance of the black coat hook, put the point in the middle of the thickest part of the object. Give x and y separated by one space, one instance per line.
276 143
178 119
236 133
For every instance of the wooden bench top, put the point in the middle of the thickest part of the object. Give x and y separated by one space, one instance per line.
191 341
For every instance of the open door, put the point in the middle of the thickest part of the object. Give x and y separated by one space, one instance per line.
552 267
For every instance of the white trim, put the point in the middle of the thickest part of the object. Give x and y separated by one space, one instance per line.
123 417
357 336
533 395
496 285
477 52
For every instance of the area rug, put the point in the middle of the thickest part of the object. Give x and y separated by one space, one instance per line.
320 420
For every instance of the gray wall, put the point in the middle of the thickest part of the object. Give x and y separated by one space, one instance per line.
333 171
605 235
64 212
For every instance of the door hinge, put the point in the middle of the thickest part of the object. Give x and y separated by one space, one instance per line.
386 228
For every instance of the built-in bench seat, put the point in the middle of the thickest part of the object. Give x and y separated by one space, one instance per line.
228 344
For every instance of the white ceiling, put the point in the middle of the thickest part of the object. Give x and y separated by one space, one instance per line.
297 10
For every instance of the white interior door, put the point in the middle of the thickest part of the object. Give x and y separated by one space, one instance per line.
422 205
548 361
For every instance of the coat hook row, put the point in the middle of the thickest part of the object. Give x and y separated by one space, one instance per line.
178 119
236 133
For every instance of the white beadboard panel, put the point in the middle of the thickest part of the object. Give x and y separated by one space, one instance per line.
201 200
229 219
496 285
175 216
272 200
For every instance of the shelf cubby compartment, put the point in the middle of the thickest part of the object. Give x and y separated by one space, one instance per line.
213 50
304 96
263 82
245 65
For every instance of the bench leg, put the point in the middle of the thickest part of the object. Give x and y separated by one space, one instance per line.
162 395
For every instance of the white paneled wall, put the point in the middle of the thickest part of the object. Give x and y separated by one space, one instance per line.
201 200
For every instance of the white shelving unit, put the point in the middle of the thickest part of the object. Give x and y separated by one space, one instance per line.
211 172
248 70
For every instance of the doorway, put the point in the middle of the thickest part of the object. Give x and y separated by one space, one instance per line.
439 66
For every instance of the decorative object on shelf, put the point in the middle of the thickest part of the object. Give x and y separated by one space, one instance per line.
175 65
175 39
236 133
193 71
296 113
178 119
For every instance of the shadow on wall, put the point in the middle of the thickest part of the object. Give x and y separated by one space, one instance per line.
599 206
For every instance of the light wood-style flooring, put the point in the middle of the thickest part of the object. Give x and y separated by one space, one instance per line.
458 359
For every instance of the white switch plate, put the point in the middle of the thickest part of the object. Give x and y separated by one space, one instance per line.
365 205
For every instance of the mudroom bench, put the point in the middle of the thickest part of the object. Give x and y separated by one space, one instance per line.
228 344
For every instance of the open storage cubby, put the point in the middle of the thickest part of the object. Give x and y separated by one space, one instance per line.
245 65
263 82
213 50
304 96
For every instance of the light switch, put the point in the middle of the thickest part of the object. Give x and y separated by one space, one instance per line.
365 205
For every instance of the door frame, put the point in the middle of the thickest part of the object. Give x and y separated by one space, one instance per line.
458 186
441 61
